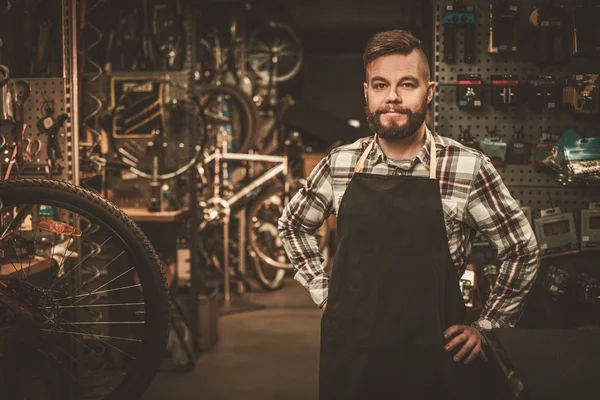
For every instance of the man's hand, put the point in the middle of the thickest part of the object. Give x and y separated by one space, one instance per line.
471 338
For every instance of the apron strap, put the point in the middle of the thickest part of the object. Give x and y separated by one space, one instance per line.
432 159
361 161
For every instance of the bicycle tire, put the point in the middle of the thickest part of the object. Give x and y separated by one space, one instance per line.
151 275
267 283
249 115
265 195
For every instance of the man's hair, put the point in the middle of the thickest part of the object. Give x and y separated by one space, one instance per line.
395 42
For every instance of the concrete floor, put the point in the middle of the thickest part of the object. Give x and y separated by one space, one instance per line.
270 353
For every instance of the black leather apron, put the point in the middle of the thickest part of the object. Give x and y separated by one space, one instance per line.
393 292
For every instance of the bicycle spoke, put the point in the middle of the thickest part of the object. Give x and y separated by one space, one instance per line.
79 363
97 274
99 305
104 291
106 323
65 257
92 335
107 283
29 265
59 362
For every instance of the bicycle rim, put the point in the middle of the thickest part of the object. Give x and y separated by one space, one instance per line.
97 293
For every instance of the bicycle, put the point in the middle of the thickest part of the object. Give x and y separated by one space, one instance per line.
84 307
259 200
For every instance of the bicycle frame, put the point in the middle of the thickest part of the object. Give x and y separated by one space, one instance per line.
221 207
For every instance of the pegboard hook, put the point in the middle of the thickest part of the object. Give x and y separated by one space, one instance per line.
551 203
492 132
518 133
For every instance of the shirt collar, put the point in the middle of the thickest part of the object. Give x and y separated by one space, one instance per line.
424 155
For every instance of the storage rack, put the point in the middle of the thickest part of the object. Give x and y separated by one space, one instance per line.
536 189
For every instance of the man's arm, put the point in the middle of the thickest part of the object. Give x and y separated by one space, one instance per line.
494 212
303 215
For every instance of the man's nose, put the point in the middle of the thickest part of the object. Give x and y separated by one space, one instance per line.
393 97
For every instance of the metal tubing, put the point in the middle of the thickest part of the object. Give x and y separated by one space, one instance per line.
253 157
242 248
226 266
273 172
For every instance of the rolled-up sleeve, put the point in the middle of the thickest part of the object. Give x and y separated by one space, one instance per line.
303 215
495 213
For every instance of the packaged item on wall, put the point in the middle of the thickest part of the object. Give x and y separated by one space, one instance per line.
495 148
548 35
456 17
575 158
469 91
543 92
543 149
555 232
504 28
587 34
580 93
518 150
590 228
505 90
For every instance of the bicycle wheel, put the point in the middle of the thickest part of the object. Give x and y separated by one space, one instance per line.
263 236
268 278
275 46
84 307
229 108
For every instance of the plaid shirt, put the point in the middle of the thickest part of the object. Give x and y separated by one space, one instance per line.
474 199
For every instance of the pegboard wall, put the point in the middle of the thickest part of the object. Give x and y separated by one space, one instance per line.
42 90
538 190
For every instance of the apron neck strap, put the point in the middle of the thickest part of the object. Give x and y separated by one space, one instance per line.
432 158
361 160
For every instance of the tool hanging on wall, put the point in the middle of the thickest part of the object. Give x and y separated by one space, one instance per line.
580 93
586 30
543 92
518 150
494 147
504 28
469 91
459 16
466 138
505 90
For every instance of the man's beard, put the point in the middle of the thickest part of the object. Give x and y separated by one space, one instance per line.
414 120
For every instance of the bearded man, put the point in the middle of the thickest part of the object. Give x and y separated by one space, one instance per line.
408 204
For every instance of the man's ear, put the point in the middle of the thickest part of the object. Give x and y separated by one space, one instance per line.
430 91
365 89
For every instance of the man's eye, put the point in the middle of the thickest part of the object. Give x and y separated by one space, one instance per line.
379 86
409 85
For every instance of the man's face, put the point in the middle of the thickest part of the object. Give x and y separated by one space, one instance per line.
397 95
